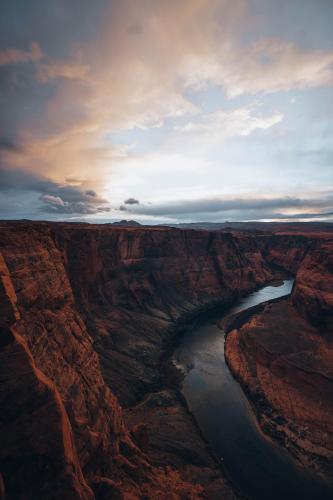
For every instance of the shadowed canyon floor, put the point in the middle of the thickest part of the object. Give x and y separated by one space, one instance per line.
89 316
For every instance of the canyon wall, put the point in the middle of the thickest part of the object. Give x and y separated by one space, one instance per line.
283 355
133 286
87 316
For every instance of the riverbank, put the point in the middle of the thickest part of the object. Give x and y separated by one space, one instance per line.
170 434
95 309
282 354
292 400
165 428
261 468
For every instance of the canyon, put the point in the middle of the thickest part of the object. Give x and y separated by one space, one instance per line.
89 317
282 354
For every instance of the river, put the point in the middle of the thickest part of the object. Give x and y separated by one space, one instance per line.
261 468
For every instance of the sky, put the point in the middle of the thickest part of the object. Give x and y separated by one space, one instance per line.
166 111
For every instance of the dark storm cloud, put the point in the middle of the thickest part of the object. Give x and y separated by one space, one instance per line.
131 201
30 33
73 20
54 197
56 205
210 205
73 71
239 208
22 99
91 192
310 215
7 144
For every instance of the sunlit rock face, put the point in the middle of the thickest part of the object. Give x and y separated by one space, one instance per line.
87 315
283 356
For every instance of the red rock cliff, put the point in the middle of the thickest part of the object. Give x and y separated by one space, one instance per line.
283 356
86 315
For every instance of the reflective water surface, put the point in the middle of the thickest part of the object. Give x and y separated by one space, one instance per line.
259 467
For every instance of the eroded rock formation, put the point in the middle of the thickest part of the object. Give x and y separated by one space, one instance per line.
88 313
88 316
283 355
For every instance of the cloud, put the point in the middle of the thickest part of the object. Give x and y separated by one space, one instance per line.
126 77
78 151
69 200
13 56
226 124
265 66
131 201
237 208
75 181
125 67
55 198
7 144
52 200
62 69
54 205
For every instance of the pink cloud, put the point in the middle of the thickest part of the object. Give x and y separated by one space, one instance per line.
12 56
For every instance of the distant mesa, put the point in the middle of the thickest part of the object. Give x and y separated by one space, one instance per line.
275 226
127 223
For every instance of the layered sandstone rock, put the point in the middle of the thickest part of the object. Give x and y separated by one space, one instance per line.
283 356
313 294
37 455
133 286
87 316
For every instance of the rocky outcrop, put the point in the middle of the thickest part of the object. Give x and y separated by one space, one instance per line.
88 314
88 317
283 357
8 299
38 456
60 420
313 294
134 286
